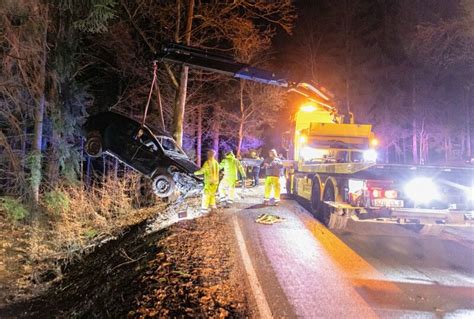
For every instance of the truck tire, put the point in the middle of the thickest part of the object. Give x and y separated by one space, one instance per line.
334 219
316 198
326 210
93 146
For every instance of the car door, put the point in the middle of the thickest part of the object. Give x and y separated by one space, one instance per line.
119 139
148 153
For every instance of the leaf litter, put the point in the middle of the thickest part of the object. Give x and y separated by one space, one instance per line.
188 269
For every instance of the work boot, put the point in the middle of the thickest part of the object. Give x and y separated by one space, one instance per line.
266 202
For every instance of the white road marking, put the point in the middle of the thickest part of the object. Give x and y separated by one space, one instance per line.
262 304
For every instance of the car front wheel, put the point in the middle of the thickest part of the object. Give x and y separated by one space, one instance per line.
163 185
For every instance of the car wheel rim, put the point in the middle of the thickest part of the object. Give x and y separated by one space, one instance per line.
94 146
162 186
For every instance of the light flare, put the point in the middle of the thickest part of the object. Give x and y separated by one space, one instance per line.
422 190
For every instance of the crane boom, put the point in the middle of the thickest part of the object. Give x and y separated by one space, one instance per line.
210 61
205 60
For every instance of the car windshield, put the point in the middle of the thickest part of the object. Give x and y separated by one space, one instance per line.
169 145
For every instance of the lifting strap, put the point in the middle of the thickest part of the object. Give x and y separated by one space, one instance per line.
154 84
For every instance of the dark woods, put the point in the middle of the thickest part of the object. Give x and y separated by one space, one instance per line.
407 67
404 66
62 60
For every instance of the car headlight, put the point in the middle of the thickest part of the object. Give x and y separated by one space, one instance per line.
370 156
422 190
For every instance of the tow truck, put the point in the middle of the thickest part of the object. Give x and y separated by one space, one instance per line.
333 164
335 170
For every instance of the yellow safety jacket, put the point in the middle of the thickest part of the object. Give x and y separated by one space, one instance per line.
210 170
231 167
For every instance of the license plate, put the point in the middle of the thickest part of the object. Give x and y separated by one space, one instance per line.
386 202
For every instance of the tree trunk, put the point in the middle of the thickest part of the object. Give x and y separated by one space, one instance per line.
215 137
446 149
420 149
241 137
414 124
241 122
468 124
450 148
52 171
415 144
199 136
180 100
404 150
36 173
179 106
426 150
347 27
35 164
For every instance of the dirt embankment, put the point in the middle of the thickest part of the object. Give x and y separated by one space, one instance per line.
187 270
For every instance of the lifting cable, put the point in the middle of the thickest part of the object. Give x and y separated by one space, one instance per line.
154 84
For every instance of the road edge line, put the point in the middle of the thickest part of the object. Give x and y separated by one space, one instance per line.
261 301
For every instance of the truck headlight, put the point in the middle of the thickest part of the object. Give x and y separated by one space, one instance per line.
470 194
309 153
370 156
421 190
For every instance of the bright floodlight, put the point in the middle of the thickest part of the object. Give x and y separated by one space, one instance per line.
421 190
370 156
470 194
309 153
308 108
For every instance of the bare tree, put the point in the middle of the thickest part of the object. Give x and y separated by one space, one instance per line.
180 101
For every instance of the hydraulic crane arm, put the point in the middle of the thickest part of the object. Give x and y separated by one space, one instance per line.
205 60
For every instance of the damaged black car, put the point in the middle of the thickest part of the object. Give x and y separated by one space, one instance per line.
154 154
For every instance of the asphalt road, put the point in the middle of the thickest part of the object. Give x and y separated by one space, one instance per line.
368 271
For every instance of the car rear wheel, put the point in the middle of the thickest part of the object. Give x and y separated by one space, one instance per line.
163 185
93 146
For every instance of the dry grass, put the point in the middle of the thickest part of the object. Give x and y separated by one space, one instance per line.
74 221
90 216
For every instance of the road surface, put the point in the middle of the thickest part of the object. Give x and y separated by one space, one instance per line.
298 268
